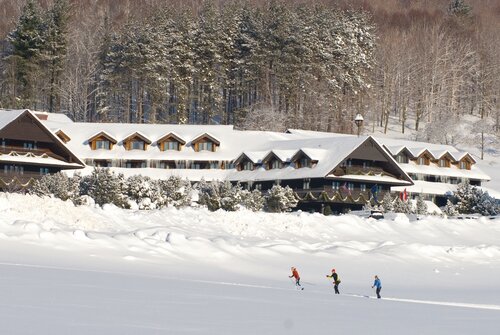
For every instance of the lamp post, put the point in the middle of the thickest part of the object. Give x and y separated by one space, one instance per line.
358 120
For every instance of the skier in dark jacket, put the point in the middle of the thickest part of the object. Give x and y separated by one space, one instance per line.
378 285
336 280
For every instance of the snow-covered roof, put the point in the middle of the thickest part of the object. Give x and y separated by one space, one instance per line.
138 134
9 115
377 178
452 171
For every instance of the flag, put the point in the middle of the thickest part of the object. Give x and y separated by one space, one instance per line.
345 189
403 195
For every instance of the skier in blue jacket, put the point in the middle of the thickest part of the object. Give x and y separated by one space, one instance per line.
378 285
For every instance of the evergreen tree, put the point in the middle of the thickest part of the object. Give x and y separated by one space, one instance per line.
466 197
56 48
421 206
105 187
459 8
450 209
280 199
252 200
401 206
327 210
388 202
28 41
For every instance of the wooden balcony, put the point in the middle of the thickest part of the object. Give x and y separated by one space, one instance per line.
37 152
342 196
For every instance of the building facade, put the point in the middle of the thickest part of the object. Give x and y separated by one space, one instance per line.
341 171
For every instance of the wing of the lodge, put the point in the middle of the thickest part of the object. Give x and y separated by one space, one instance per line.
29 150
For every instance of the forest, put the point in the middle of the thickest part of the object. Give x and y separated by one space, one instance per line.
423 65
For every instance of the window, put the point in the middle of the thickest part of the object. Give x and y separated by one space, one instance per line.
350 186
29 145
248 166
464 165
196 166
214 165
180 165
229 166
3 142
137 145
171 145
306 184
102 144
304 162
366 164
258 186
44 171
402 158
362 187
422 160
336 185
205 146
443 163
275 164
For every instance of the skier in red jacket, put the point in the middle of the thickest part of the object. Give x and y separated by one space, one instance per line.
295 274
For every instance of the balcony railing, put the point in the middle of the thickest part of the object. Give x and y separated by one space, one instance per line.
21 150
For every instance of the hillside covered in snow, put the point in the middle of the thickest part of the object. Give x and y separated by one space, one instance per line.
83 270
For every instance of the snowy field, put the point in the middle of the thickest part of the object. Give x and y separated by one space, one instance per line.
82 270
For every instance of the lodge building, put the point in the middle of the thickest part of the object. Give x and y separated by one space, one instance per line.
342 171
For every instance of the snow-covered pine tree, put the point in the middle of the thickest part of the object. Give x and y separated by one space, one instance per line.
327 210
387 202
280 199
421 206
252 200
450 209
28 41
401 206
177 191
466 197
58 185
486 204
105 187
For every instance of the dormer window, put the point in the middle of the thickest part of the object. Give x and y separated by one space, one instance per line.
136 141
422 160
402 158
465 165
170 142
247 166
205 146
275 164
102 141
62 136
304 162
443 162
205 142
103 144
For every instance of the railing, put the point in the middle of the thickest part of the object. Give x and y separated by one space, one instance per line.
356 195
360 170
20 150
24 177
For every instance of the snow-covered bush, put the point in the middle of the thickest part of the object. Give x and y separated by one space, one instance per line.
280 199
252 200
58 185
387 202
327 210
450 209
401 206
219 195
176 191
105 187
421 206
146 192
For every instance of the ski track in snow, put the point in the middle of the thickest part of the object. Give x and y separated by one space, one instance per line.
210 282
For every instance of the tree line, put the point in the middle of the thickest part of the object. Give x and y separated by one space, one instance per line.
265 64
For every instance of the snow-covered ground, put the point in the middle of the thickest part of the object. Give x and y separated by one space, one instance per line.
83 270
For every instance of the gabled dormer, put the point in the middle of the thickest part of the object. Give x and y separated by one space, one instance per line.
403 156
136 141
302 160
102 141
63 136
171 141
243 163
424 158
466 162
272 161
205 142
445 160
